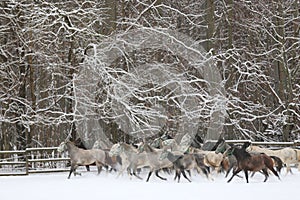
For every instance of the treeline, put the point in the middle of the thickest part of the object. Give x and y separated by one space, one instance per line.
44 45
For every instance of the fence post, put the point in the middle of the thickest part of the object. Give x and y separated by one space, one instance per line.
26 160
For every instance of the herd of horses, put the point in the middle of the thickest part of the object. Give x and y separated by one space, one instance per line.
169 157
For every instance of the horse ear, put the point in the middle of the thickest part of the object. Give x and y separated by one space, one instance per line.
246 145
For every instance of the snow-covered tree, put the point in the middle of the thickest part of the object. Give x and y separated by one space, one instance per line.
50 49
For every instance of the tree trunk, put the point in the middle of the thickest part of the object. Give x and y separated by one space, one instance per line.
210 20
283 76
21 130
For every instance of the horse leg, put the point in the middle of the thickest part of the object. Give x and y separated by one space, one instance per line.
176 175
274 171
205 171
269 165
106 168
167 170
129 170
123 168
189 172
162 178
99 167
74 171
288 168
231 167
71 170
246 175
235 172
134 173
138 170
227 172
179 174
252 174
265 172
150 173
184 175
120 172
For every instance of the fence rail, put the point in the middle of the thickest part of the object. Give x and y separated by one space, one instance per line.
32 160
45 160
279 144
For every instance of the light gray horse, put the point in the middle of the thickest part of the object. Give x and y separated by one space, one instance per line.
146 156
156 160
82 157
131 158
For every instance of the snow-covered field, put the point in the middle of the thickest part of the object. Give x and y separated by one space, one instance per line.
106 186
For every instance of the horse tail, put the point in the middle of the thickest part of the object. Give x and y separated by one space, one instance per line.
201 165
278 163
297 155
269 164
207 162
107 160
107 157
119 160
225 164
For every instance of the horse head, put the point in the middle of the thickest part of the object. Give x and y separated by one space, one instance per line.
116 149
62 147
140 147
156 143
222 147
231 148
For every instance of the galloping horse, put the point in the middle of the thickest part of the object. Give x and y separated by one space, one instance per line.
131 158
82 157
251 162
287 155
156 163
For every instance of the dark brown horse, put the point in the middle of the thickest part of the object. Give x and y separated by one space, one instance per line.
251 162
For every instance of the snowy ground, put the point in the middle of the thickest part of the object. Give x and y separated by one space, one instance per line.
106 186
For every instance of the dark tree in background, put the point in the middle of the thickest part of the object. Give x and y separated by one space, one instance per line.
255 45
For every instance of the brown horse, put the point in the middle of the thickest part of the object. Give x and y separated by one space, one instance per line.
82 157
251 162
287 155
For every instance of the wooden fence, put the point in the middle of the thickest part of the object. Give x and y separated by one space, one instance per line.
47 159
32 160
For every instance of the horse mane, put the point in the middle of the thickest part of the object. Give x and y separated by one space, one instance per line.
127 147
149 148
71 146
242 150
220 141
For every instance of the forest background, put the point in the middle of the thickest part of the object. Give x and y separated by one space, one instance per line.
45 46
